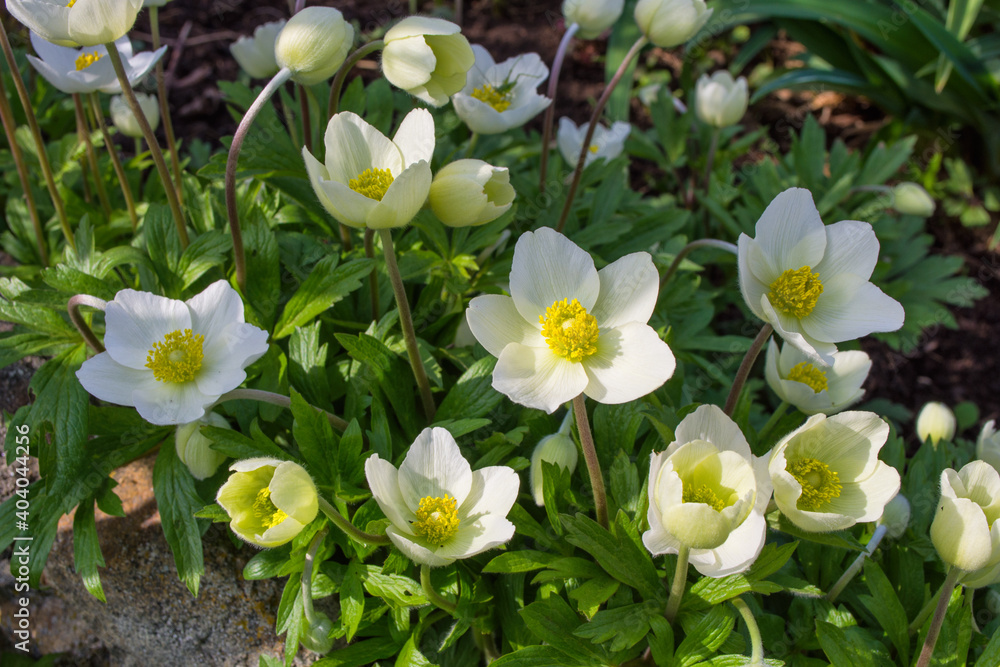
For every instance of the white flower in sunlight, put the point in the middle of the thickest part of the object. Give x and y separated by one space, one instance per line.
814 389
255 55
719 100
195 450
369 181
313 44
269 501
439 509
810 281
428 58
988 445
124 119
568 328
670 23
498 97
593 16
966 527
80 23
606 143
87 70
827 475
470 192
708 492
936 422
172 359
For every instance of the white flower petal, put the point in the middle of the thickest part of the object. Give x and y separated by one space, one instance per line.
850 308
790 230
383 480
415 552
214 309
353 146
629 287
404 198
494 490
479 116
495 322
711 424
171 403
434 467
106 379
486 532
851 247
415 137
548 267
631 361
737 553
407 62
288 492
136 320
537 378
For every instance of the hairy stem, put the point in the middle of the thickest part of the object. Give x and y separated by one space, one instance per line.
276 399
678 584
73 307
83 132
349 528
756 645
349 63
590 456
436 599
550 112
938 619
693 245
744 370
855 567
373 277
161 91
307 570
115 161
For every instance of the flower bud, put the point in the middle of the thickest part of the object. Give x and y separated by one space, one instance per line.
89 23
936 421
965 527
195 450
911 199
428 58
896 516
317 637
124 119
255 55
470 192
670 23
558 449
988 445
593 16
269 501
719 100
313 44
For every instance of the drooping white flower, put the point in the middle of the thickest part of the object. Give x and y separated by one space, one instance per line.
498 97
606 143
815 388
593 16
670 23
88 69
125 120
810 281
427 57
368 180
936 422
172 359
966 527
827 475
720 100
465 193
440 510
988 445
80 23
569 329
708 492
313 44
255 55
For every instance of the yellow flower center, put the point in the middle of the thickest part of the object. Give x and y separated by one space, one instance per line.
809 375
70 4
593 148
499 100
372 183
796 291
703 494
178 358
570 330
265 510
437 519
86 59
819 483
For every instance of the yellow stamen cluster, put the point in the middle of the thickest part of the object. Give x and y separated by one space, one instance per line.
86 60
703 494
819 483
372 183
437 519
265 510
809 375
70 3
570 330
593 148
178 358
796 291
499 100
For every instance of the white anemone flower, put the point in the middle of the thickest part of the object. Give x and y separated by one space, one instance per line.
607 143
988 445
255 55
720 100
126 122
172 359
816 389
827 474
79 23
966 527
427 57
368 180
810 281
88 69
568 328
498 97
708 492
441 510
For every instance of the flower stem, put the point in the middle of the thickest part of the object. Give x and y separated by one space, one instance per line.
594 118
9 127
433 595
776 416
590 456
678 584
161 92
550 112
744 370
938 619
756 645
115 161
36 133
713 146
154 147
353 532
73 307
406 322
307 570
686 250
352 60
855 567
307 134
239 257
471 146
373 277
276 399
83 131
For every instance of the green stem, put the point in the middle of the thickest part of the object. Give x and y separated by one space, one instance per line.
406 322
471 146
942 607
744 370
594 119
921 618
855 567
678 585
590 456
713 146
373 277
307 135
354 533
756 645
115 161
36 133
776 416
154 147
73 307
161 91
693 245
413 7
286 111
436 599
307 570
276 399
352 60
83 131
550 112
9 127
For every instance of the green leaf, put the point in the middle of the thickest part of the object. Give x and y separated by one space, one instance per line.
616 553
991 655
886 608
851 646
352 600
553 621
178 502
410 656
705 636
623 627
361 653
87 555
307 364
536 656
840 539
524 560
324 287
213 513
236 445
313 435
473 394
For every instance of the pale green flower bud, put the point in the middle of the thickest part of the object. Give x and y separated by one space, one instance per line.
593 16
470 192
317 637
255 55
966 528
988 445
936 421
670 23
720 100
911 199
558 449
313 44
195 450
896 516
124 119
427 57
269 501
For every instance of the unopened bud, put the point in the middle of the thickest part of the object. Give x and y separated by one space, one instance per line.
936 422
896 516
313 44
195 450
124 119
558 449
911 199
